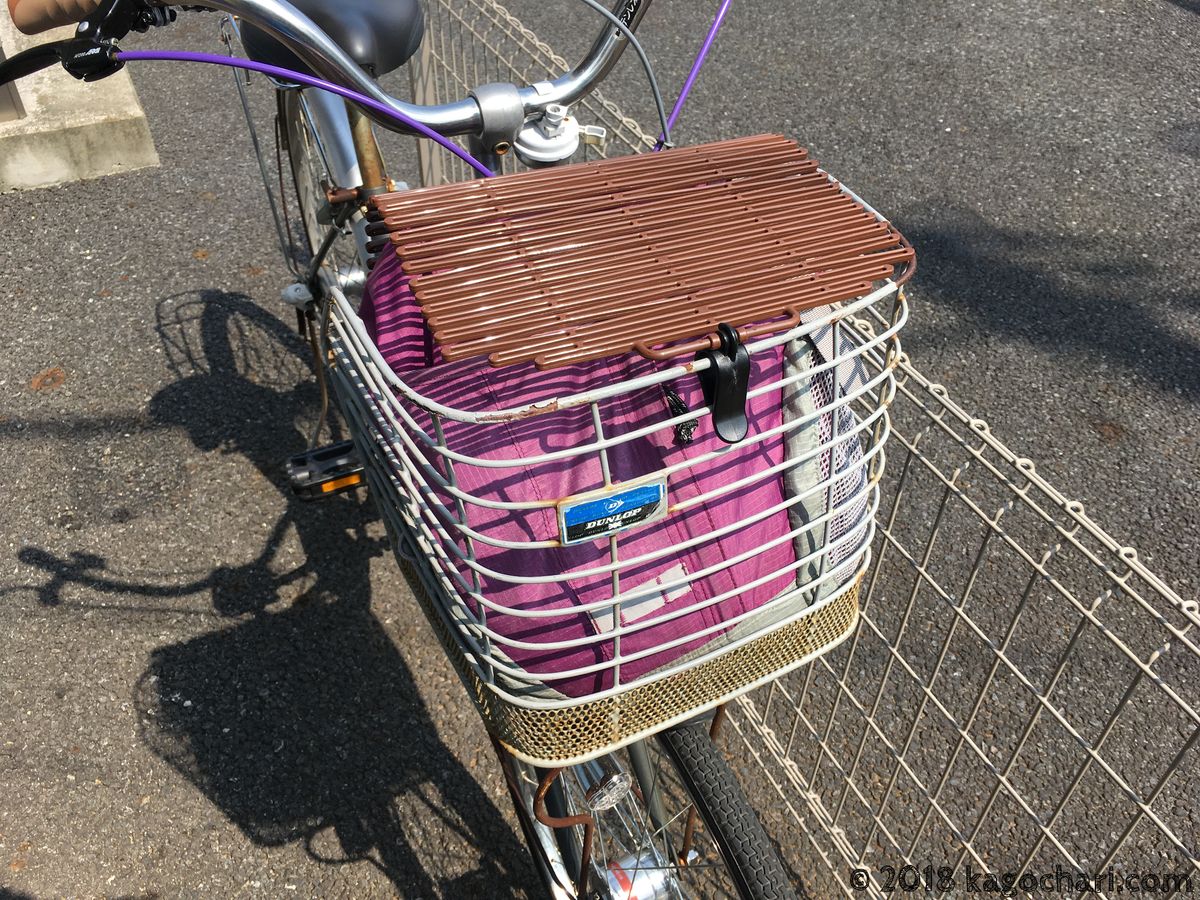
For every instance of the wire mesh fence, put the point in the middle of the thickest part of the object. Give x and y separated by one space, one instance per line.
1019 698
1017 710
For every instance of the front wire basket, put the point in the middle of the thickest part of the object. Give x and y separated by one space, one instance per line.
416 473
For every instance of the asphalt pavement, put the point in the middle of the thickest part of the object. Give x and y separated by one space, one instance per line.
210 689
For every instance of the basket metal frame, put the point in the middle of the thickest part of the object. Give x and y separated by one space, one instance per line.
382 406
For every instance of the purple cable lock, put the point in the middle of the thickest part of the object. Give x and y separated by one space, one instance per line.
388 112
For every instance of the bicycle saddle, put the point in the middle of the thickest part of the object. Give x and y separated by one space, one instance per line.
379 35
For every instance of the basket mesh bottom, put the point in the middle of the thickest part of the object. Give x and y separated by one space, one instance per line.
563 735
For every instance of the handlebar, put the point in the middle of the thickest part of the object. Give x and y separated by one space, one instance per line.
313 45
306 39
328 59
32 60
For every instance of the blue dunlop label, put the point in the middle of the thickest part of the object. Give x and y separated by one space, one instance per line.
586 517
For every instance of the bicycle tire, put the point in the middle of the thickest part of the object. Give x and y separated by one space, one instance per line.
721 803
744 864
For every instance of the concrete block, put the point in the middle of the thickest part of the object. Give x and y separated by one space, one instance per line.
54 128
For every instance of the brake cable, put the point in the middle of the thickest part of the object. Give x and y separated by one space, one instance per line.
664 139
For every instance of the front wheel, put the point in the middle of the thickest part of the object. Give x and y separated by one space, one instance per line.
734 829
683 829
313 130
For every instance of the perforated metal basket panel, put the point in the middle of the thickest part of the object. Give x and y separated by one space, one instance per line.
562 735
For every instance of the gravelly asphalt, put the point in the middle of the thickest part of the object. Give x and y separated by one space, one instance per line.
209 689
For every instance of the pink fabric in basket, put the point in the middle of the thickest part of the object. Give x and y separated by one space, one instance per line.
394 322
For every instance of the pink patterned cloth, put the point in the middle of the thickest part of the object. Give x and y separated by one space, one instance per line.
394 322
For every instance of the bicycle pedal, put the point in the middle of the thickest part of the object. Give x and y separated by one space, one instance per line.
325 471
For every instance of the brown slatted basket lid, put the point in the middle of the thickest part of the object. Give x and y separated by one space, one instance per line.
644 253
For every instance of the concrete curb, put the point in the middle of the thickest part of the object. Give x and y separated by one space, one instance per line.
54 128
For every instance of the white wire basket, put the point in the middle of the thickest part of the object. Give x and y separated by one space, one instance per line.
574 647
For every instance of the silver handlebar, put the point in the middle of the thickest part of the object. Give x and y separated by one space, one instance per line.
283 20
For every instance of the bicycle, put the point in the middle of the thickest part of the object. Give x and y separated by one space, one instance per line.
649 808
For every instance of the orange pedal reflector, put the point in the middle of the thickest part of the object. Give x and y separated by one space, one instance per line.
323 471
345 481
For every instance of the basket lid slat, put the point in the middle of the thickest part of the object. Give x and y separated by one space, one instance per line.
639 254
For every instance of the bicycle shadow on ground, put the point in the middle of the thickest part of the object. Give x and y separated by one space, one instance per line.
300 721
305 725
1192 6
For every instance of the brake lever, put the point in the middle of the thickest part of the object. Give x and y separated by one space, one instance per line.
92 53
89 59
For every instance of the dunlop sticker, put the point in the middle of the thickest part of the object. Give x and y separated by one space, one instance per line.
590 516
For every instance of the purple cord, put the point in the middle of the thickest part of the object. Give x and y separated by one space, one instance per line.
718 20
311 81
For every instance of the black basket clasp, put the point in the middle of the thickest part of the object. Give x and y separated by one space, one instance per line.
725 383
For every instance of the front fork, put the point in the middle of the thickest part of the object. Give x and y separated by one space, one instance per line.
345 147
345 143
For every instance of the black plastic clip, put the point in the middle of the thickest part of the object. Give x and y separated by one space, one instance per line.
725 383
